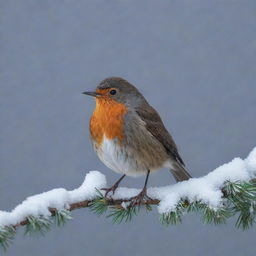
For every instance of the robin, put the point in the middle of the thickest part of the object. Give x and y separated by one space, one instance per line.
129 136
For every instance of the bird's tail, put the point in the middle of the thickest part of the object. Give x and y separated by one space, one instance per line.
179 172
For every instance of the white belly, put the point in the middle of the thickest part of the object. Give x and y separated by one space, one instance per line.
117 159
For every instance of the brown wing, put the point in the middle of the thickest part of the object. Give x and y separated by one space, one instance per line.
155 126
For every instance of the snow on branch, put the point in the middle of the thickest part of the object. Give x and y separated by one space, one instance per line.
228 190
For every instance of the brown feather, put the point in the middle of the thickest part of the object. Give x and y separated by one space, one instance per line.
155 126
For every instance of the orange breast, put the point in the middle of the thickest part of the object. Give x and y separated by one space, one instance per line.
107 120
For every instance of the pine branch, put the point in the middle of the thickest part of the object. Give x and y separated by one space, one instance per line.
95 205
216 197
239 199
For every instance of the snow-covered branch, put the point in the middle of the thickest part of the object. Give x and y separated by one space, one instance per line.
225 191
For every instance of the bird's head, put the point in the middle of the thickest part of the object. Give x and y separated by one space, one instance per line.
117 90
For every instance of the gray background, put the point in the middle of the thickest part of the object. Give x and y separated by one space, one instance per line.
194 61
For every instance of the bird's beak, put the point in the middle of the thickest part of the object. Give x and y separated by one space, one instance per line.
94 94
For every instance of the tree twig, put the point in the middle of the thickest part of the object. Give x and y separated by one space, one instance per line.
86 203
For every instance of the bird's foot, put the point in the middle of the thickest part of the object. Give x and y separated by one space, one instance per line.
141 198
111 189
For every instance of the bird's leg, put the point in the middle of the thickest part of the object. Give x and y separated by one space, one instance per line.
137 200
114 187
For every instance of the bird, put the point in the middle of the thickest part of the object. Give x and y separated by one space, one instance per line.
129 136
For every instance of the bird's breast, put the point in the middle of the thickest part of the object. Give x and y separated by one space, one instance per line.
118 158
107 121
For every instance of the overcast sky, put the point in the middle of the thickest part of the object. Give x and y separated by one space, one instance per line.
195 62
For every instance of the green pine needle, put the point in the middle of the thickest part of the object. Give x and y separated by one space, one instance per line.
148 207
195 207
119 215
7 235
242 196
99 206
247 215
215 216
39 225
174 217
61 217
171 218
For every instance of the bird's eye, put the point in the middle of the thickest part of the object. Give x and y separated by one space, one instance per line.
112 92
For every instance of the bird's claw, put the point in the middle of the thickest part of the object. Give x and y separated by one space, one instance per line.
108 190
140 198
